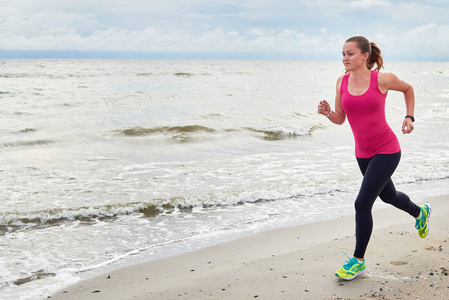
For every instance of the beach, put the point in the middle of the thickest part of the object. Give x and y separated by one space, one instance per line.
294 263
111 163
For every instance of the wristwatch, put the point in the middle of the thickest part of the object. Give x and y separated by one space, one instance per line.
411 117
329 114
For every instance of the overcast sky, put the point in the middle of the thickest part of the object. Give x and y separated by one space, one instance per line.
229 29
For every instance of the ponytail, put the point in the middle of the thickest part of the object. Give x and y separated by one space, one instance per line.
375 55
375 58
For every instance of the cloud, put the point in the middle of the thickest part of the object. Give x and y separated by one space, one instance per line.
263 28
367 4
431 37
426 42
201 26
215 40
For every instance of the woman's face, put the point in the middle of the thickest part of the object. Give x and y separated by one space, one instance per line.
353 57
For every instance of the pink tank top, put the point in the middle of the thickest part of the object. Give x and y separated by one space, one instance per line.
366 115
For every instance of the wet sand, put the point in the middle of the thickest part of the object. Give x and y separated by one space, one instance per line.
294 263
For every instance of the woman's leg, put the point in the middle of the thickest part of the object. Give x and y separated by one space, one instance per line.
398 199
377 172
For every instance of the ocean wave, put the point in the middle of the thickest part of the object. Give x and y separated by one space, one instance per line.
279 132
188 74
213 116
56 216
18 75
180 74
170 130
193 132
34 276
150 208
26 130
28 143
185 203
10 221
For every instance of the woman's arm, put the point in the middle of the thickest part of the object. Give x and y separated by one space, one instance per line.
389 81
338 116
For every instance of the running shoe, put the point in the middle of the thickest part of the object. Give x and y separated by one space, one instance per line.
422 224
351 269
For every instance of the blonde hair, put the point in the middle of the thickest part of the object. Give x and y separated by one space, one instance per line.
375 55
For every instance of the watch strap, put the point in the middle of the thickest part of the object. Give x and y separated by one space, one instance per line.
410 117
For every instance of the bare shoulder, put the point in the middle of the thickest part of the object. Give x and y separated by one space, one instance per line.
389 81
385 78
339 80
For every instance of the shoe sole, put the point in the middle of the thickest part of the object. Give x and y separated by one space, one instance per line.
428 219
351 278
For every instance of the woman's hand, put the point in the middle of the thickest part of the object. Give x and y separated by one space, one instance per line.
324 108
407 126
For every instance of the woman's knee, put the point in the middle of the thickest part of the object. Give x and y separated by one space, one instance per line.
362 206
387 200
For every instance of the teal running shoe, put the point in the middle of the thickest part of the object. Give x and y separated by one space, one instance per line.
422 224
351 269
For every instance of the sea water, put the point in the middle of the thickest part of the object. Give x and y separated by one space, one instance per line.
105 163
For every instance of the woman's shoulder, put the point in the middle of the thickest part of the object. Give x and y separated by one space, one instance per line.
386 77
340 79
389 81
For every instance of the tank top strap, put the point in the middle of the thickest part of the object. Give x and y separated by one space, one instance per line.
374 84
344 83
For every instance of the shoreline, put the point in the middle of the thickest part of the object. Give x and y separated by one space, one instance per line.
294 263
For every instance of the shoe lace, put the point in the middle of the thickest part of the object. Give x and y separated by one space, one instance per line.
420 222
350 262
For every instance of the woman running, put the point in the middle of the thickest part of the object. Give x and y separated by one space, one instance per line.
360 96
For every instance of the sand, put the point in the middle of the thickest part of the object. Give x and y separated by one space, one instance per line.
294 263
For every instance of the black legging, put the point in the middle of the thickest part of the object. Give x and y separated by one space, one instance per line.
377 172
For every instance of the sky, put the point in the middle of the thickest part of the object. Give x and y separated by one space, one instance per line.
405 30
